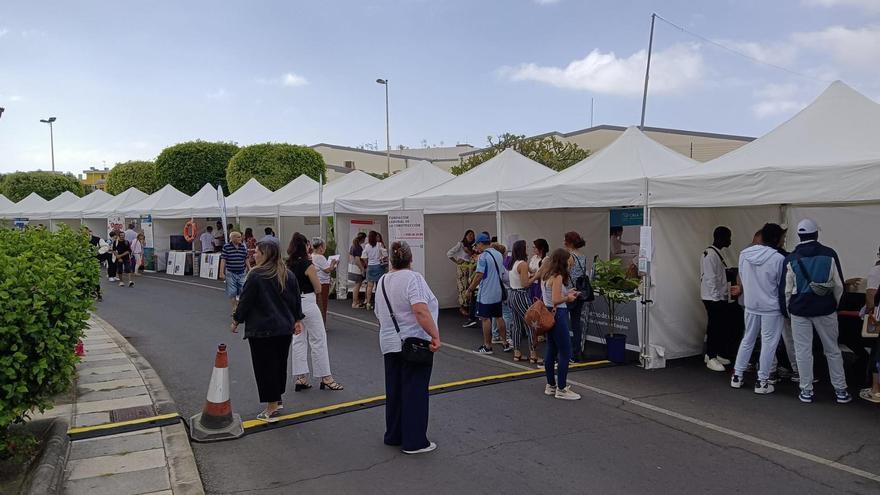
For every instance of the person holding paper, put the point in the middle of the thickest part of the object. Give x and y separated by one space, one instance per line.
325 267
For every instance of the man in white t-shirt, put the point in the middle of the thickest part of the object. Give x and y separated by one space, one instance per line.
717 295
207 240
130 234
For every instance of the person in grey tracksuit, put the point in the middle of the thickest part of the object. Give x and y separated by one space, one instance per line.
810 290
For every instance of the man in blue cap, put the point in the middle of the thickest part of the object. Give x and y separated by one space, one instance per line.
491 294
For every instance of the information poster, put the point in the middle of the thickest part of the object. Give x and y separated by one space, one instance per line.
625 236
20 223
209 266
115 223
176 263
147 228
626 321
409 226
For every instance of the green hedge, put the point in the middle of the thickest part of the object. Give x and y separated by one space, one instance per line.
16 186
139 174
189 166
274 165
46 285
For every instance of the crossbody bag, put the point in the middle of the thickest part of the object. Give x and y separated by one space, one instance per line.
582 284
414 349
500 282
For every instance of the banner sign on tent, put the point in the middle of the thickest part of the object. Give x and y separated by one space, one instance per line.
646 248
409 226
115 223
210 265
622 217
595 321
20 223
176 263
147 228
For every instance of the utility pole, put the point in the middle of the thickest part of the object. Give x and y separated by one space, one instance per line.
647 72
384 82
50 121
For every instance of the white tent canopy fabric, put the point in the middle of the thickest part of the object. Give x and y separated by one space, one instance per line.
614 176
250 192
388 194
166 197
116 205
44 211
32 201
201 204
829 152
307 204
5 204
477 189
268 206
74 210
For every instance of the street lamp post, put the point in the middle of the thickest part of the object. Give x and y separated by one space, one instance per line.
50 121
384 82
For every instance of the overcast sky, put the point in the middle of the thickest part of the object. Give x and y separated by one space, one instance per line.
126 79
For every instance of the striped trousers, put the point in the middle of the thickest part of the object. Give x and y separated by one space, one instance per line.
520 301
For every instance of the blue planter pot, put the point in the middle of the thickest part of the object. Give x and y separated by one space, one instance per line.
616 346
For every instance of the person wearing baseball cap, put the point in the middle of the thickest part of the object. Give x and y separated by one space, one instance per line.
810 290
491 293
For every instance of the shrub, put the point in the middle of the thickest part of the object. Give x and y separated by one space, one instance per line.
46 284
139 174
274 165
189 166
17 185
548 151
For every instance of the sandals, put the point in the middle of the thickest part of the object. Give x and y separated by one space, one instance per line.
536 361
517 356
269 417
331 385
301 384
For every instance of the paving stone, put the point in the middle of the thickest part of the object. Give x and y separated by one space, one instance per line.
83 388
163 492
91 419
97 340
92 358
116 444
122 375
110 345
55 412
131 483
87 365
103 370
115 464
116 393
104 350
111 404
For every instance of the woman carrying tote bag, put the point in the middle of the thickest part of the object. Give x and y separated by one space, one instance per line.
408 336
554 282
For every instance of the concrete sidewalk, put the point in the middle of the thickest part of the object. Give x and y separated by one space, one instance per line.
115 383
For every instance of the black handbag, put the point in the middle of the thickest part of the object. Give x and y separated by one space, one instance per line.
414 349
583 284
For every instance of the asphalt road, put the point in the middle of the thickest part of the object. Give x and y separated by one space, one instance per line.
678 430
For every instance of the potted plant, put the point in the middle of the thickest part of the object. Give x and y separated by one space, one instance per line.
612 283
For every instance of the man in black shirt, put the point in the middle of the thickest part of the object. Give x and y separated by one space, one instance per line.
121 250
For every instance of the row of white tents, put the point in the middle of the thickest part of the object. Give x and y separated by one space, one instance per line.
823 163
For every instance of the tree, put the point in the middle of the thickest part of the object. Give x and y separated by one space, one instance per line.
139 174
16 186
548 151
274 165
189 166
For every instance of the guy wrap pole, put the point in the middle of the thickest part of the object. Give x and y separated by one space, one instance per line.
646 218
647 73
321 206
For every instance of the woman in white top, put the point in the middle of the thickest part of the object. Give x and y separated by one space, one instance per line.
137 251
462 254
540 250
407 309
372 256
519 303
554 282
324 268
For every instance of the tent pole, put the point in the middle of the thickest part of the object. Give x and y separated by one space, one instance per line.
498 215
321 207
646 293
278 221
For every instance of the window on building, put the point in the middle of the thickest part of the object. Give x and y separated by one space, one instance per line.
349 164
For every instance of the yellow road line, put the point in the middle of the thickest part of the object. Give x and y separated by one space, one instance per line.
255 423
108 426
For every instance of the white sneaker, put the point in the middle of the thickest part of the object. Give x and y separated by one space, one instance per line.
736 381
764 387
549 389
714 365
725 362
567 394
430 448
122 284
112 279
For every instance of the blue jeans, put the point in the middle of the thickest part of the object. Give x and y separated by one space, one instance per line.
507 315
234 284
558 345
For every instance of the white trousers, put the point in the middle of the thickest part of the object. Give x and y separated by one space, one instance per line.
312 339
769 327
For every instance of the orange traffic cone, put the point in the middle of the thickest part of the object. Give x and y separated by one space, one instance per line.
217 421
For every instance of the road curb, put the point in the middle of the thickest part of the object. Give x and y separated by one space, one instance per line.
185 479
47 477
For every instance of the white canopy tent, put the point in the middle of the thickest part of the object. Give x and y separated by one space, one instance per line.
31 202
469 201
117 205
264 212
166 197
823 163
71 215
201 204
4 204
367 208
44 211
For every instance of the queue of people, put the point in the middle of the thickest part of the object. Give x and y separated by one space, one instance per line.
773 295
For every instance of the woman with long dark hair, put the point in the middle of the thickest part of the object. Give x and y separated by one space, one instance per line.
356 268
373 257
519 303
577 267
462 254
540 250
250 242
314 336
270 307
557 296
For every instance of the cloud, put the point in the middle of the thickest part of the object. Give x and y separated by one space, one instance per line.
3 32
775 100
869 5
292 80
858 48
217 94
672 70
783 54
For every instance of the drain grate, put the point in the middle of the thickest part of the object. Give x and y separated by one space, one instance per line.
129 413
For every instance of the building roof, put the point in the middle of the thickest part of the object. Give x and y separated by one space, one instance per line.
435 153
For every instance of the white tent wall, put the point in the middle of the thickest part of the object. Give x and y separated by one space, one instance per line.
592 224
441 233
74 224
258 224
678 318
848 229
97 225
289 225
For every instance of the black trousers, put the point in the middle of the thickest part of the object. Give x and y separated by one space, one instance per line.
111 266
269 357
406 403
719 329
